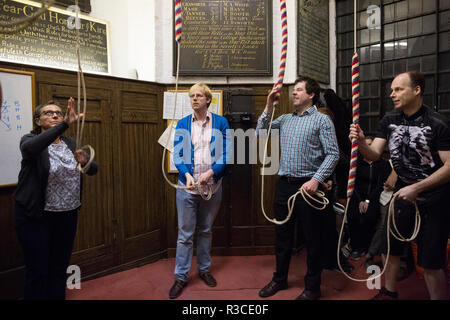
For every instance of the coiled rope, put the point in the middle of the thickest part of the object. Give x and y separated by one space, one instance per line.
178 34
15 26
391 219
282 68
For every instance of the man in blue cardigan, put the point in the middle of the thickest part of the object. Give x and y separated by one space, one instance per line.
200 155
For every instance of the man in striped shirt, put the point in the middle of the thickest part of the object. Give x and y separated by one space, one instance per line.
309 154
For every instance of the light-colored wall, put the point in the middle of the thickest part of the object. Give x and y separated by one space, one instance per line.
141 39
164 69
132 36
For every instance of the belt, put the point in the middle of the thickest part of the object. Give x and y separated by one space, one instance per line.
294 179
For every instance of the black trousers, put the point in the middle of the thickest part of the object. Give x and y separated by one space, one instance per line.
310 225
330 237
362 226
47 247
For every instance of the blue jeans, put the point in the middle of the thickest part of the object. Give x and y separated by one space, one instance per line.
194 211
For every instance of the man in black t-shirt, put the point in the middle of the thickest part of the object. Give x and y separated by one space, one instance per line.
419 143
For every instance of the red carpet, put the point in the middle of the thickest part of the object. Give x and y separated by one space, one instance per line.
238 278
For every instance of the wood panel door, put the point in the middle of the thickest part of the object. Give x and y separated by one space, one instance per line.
250 232
139 182
94 248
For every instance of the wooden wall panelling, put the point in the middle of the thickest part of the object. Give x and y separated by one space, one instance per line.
94 244
241 204
251 232
11 259
100 245
141 186
129 214
265 230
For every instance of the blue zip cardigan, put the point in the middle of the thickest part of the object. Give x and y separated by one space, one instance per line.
220 147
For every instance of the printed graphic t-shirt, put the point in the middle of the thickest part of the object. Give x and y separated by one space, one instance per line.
414 142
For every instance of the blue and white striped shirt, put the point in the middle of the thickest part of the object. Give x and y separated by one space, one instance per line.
308 144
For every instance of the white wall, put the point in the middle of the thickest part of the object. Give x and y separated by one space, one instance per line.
141 38
164 49
132 36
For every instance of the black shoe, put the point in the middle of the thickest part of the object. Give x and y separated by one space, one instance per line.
272 288
208 278
369 262
309 295
384 294
347 267
402 274
177 288
355 255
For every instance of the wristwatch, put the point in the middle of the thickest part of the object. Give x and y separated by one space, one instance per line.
367 201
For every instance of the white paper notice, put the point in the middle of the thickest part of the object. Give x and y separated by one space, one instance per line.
165 140
183 105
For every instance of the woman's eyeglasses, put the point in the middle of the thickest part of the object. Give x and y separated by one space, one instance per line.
50 113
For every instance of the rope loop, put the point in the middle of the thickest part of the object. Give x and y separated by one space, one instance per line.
318 197
321 199
395 233
91 158
202 194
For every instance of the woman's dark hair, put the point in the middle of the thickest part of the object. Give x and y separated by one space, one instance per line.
311 86
37 113
342 118
342 121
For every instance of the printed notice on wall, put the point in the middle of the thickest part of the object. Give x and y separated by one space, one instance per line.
313 40
183 107
222 37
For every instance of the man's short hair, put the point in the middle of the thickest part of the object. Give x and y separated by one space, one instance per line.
205 88
311 86
417 79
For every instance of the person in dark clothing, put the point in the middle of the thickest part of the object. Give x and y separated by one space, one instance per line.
47 199
332 105
330 233
419 145
364 206
379 237
309 154
331 187
342 120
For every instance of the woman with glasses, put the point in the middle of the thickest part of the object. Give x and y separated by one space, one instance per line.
47 199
